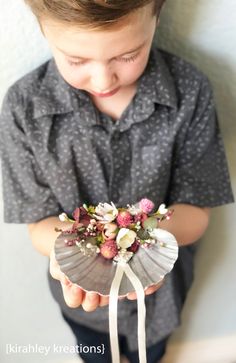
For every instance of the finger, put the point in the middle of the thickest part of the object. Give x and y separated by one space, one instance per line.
65 281
132 296
54 272
104 300
90 301
150 290
73 295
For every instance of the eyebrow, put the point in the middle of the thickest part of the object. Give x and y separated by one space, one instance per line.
120 55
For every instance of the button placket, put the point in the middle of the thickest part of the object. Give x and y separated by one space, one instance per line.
121 159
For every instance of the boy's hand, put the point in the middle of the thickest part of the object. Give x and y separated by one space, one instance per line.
75 296
150 290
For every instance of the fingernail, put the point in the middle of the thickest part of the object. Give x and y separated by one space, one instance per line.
75 289
91 296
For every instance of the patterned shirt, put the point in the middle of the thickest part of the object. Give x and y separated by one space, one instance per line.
59 151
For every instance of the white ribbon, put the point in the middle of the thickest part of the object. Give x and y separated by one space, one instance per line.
123 267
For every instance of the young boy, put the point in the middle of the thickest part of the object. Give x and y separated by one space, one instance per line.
110 118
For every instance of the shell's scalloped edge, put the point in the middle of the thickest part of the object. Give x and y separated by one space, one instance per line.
120 296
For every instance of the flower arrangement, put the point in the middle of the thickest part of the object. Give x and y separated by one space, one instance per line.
114 233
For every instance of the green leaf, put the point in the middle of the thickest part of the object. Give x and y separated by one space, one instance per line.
150 222
143 234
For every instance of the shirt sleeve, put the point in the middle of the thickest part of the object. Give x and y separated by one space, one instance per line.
26 195
200 173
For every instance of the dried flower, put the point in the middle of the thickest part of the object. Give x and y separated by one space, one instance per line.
109 249
140 217
134 247
124 219
106 212
162 209
81 216
125 237
115 233
109 231
63 217
134 209
146 205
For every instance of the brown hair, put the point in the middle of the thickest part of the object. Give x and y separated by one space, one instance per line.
89 13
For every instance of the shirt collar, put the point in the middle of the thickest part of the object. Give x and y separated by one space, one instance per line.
54 96
156 84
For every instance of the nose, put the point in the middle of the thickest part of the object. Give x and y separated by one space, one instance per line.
103 78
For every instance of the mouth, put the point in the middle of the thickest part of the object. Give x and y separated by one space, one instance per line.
106 94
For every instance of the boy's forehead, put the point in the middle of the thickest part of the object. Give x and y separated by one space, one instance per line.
80 42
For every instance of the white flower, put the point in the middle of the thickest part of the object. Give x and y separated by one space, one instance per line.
134 209
106 212
162 209
63 217
125 237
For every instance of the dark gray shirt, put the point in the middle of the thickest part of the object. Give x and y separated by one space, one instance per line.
59 151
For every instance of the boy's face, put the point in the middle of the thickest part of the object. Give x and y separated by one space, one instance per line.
103 62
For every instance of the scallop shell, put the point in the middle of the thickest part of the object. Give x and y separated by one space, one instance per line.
96 273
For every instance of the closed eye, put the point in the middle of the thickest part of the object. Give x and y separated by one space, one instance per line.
128 59
76 63
125 59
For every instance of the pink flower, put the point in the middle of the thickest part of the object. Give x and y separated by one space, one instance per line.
124 219
146 205
109 231
109 249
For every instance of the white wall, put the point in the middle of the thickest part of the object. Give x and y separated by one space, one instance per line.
28 314
202 31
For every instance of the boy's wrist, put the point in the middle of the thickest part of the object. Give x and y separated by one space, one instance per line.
188 223
43 233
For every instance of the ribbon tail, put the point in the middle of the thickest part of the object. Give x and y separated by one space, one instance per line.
113 301
141 312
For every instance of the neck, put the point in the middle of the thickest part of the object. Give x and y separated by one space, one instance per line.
115 105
